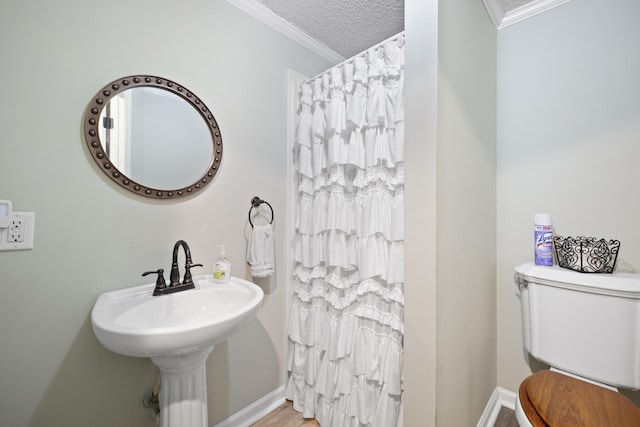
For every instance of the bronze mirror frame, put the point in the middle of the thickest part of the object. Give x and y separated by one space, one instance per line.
91 122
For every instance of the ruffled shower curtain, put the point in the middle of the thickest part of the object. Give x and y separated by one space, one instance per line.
346 319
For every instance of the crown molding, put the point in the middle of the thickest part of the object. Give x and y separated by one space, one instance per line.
273 20
503 19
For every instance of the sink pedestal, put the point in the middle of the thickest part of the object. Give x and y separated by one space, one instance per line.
183 390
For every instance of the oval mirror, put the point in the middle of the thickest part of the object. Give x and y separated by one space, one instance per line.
153 137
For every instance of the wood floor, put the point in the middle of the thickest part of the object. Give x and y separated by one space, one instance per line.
285 416
506 418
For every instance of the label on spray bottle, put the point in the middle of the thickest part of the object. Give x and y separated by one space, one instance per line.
543 240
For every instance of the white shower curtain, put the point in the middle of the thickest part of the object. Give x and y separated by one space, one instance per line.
346 319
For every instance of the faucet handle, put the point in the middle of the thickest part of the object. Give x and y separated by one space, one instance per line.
160 283
187 273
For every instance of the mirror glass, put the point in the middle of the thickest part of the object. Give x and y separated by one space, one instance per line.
153 137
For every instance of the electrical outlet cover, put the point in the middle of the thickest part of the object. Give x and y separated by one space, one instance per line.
16 229
19 234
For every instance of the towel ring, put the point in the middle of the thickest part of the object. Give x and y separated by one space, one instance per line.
255 202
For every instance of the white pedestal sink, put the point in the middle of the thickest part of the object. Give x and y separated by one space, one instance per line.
178 332
183 391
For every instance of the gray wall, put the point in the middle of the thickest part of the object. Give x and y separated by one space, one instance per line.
566 98
466 212
563 89
568 142
421 104
91 236
450 213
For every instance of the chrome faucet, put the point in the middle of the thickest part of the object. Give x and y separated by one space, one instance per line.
174 278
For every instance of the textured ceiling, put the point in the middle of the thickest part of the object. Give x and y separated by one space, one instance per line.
346 26
349 27
509 5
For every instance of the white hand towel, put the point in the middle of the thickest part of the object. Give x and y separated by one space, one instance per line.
260 251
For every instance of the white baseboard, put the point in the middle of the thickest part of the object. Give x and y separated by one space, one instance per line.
258 409
499 398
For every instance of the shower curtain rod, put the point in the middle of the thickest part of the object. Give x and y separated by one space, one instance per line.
363 53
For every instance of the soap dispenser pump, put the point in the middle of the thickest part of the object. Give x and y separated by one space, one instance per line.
222 267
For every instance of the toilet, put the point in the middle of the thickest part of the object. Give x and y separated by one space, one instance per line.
586 327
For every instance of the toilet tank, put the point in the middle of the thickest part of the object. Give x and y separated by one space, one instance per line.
587 324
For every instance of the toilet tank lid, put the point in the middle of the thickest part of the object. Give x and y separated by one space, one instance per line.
626 285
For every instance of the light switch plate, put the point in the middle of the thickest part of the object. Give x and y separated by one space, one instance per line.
19 235
5 213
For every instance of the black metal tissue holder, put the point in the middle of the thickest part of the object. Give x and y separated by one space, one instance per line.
586 254
255 203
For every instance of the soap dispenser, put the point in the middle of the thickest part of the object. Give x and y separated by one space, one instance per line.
222 267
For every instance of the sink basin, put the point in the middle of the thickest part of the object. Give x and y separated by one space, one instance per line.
177 331
132 322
